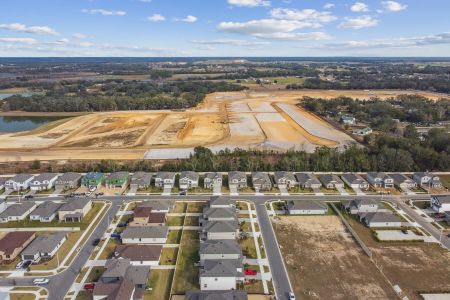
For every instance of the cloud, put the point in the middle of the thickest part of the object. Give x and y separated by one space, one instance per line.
189 19
310 15
78 35
29 29
328 5
359 22
393 6
231 42
156 18
18 40
359 7
249 3
104 12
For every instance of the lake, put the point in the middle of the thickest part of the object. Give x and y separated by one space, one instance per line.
16 124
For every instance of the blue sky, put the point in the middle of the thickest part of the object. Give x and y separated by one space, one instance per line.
224 28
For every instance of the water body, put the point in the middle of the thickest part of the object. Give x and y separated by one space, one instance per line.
16 124
6 95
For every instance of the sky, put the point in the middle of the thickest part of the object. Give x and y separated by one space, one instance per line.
149 28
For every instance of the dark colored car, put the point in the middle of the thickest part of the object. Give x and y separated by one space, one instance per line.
95 242
121 225
28 196
115 235
404 231
183 193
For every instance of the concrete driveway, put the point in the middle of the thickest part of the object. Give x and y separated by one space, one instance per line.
408 191
358 191
317 192
58 191
233 190
167 190
217 189
283 190
342 191
6 193
132 191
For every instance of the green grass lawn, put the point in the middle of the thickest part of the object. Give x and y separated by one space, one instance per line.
195 207
191 221
248 247
180 207
168 256
159 282
445 179
95 274
186 274
108 252
174 237
175 221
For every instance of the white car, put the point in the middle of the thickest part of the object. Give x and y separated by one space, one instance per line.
40 281
291 296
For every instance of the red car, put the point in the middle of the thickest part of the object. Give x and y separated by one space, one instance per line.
89 286
249 272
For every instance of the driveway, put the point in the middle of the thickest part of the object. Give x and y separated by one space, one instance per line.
31 192
342 191
58 191
358 191
132 191
167 191
283 190
217 189
233 190
408 191
317 192
6 193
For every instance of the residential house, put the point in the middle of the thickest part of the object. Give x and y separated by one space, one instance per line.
237 179
144 216
117 180
380 180
2 205
285 179
92 180
17 212
139 255
2 183
122 289
19 182
261 181
440 203
218 214
403 182
364 205
188 179
331 181
13 243
380 219
363 131
220 230
221 202
217 249
158 206
75 210
165 179
45 212
426 179
44 246
307 207
43 182
354 180
348 120
145 235
223 274
140 180
212 179
68 181
447 217
308 181
219 295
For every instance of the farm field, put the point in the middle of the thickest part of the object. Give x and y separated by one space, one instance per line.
250 120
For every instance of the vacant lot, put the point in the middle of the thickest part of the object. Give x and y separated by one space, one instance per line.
324 262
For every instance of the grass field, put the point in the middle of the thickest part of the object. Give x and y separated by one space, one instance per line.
186 274
168 256
173 237
159 282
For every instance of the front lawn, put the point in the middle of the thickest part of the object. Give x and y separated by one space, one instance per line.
186 274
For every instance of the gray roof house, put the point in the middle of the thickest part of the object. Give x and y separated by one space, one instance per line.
226 249
380 180
165 179
17 212
45 212
221 202
403 181
158 206
120 268
237 178
380 219
75 210
308 181
219 214
140 180
364 205
44 246
440 203
212 179
188 179
145 235
43 182
331 181
354 180
2 182
261 181
220 230
285 179
307 207
19 182
427 179
222 274
216 295
68 181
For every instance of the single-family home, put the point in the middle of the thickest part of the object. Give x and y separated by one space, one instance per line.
380 219
237 179
13 243
426 179
44 246
403 182
43 182
92 180
188 179
2 183
440 203
165 179
2 205
216 249
362 131
68 181
122 289
17 212
220 230
308 181
19 182
158 206
380 180
261 181
117 180
285 179
144 216
75 210
447 217
331 181
348 120
139 255
145 235
218 214
212 179
140 180
221 202
222 295
354 180
222 274
45 212
363 205
307 207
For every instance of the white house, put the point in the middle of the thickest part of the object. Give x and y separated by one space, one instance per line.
43 182
221 274
44 246
212 179
307 207
426 179
165 179
19 182
380 219
145 235
221 230
17 212
380 180
188 179
361 206
440 203
354 180
45 212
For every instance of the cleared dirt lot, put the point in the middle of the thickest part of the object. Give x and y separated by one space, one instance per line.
324 262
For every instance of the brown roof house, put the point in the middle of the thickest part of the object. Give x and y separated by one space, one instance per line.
144 216
13 243
139 255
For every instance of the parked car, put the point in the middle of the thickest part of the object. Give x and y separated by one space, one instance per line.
40 281
291 296
87 194
404 231
28 196
250 272
23 264
183 193
95 242
115 235
121 225
89 286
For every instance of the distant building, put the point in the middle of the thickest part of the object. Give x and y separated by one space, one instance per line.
13 243
403 182
261 181
43 182
440 203
285 179
68 181
19 182
17 212
212 179
331 181
188 179
92 180
307 207
380 180
348 120
237 179
140 180
165 179
354 180
363 131
426 179
361 206
117 180
308 181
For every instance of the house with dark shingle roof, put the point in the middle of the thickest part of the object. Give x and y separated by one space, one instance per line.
121 268
75 210
380 180
307 207
261 181
221 230
17 212
212 179
44 246
401 181
19 182
216 295
380 219
68 181
117 180
43 182
222 274
237 179
221 202
363 205
45 212
188 179
331 181
354 180
13 243
226 249
427 179
218 214
145 235
139 255
308 181
140 180
285 179
165 179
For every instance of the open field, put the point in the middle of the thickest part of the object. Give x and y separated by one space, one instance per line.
251 119
324 262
